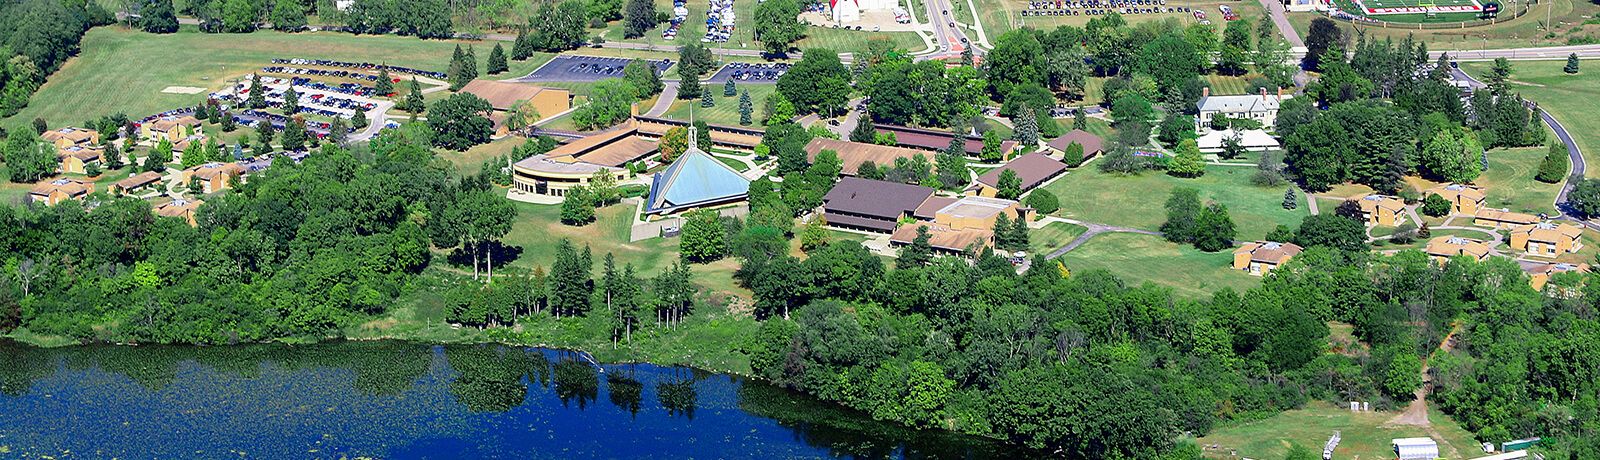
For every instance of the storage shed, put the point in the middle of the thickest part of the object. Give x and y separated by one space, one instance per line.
1416 448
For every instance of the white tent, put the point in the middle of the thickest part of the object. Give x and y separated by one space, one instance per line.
1254 140
1416 448
846 11
878 4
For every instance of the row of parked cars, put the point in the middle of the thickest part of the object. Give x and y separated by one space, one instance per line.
1104 11
604 69
324 73
361 65
757 72
252 117
1085 4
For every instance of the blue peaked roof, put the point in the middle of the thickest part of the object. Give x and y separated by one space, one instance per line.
695 179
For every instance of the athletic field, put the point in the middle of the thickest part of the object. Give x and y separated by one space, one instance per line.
1381 7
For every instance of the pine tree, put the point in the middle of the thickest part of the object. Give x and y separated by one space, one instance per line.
1572 63
728 90
1027 127
689 87
706 100
1080 119
918 253
1290 201
258 95
470 62
865 133
359 119
746 108
497 60
522 48
415 103
385 85
291 102
967 59
337 132
228 125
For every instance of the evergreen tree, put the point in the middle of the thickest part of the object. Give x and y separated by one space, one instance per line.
522 49
291 102
1188 163
1019 234
1027 127
1572 63
1554 167
728 90
746 108
258 94
385 84
294 135
1290 199
228 124
706 100
1080 119
689 86
1183 215
967 57
864 132
497 60
337 132
917 254
113 156
359 119
415 103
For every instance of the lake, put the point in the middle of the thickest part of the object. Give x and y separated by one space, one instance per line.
405 400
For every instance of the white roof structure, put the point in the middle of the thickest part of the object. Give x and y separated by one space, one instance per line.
1240 103
1253 140
1416 448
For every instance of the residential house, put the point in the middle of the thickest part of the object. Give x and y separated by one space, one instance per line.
1501 218
179 208
1464 199
853 154
1539 276
504 96
1547 239
136 182
695 180
1261 257
57 190
1032 170
871 205
172 128
1445 247
956 225
1092 144
1262 107
575 163
1381 210
70 136
76 159
213 176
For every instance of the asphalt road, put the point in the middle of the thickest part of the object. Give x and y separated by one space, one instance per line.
1576 156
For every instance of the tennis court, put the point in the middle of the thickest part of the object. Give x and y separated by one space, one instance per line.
1379 7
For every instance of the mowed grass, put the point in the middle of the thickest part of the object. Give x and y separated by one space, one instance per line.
999 16
1138 201
1054 236
471 161
726 112
1364 435
848 41
1137 258
1568 16
1511 185
120 70
538 230
1567 97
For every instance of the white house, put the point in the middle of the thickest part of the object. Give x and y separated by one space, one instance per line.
1259 107
1254 140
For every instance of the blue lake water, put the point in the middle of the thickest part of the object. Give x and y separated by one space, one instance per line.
402 400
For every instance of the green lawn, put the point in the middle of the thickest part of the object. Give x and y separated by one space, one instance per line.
1568 16
1567 97
1137 258
1054 236
124 71
538 229
1363 434
726 112
848 41
1137 201
1511 185
999 16
736 164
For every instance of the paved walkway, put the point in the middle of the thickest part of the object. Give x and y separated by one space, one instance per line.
1275 9
669 93
1094 229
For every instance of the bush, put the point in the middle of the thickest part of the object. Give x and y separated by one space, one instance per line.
1043 201
1435 206
1554 167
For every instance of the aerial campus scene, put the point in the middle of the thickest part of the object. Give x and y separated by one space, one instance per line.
872 229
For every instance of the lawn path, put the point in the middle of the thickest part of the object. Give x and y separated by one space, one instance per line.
1094 229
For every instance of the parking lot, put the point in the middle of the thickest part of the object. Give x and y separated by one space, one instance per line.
749 73
569 68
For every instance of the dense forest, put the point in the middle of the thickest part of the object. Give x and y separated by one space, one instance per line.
36 38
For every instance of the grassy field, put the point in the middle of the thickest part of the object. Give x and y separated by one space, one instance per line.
693 29
1568 17
726 112
1364 435
1137 201
1137 258
1564 96
1054 236
999 16
848 41
538 229
116 72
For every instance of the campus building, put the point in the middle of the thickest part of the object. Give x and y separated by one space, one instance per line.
1501 218
1261 257
57 190
935 140
1539 276
722 136
1032 170
871 205
695 180
1441 249
136 182
1382 210
76 159
1254 140
1092 144
173 129
957 225
503 96
214 177
179 208
1547 239
853 154
1464 199
70 136
574 164
1261 107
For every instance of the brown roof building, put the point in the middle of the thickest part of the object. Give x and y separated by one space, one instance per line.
1502 218
1032 169
173 129
944 239
1547 239
57 190
179 208
853 154
70 136
136 182
573 164
1381 210
1261 257
1464 199
1092 144
1445 247
731 137
76 159
959 224
871 205
213 176
1539 276
936 140
502 96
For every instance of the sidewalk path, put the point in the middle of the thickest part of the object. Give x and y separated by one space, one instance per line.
1094 229
669 93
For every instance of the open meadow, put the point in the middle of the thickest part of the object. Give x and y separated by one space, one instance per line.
1137 201
1567 97
1364 435
1572 20
1135 259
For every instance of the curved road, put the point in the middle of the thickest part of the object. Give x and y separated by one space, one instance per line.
1578 164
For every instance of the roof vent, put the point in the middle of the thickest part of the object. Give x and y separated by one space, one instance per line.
1456 187
1456 240
1271 246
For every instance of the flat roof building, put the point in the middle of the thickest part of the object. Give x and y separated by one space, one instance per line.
1261 257
1445 247
1547 239
554 172
61 189
503 96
